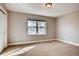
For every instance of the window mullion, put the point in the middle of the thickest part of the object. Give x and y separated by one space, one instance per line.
36 27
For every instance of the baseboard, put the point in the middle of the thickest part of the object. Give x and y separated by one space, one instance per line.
75 44
71 43
30 42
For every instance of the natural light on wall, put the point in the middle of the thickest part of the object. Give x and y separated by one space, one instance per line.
36 27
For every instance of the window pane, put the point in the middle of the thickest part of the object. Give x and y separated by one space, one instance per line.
31 27
41 31
41 28
31 23
41 24
31 31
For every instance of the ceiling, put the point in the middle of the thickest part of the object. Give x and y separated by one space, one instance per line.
58 9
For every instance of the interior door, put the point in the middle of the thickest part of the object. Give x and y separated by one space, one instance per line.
2 37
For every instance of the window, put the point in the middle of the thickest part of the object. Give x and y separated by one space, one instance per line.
36 27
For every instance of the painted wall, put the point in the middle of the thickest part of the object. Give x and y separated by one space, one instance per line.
68 27
18 28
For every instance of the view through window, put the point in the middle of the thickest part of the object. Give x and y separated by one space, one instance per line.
36 27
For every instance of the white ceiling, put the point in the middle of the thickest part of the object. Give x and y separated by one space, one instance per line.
58 9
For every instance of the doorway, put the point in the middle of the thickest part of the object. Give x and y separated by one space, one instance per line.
2 30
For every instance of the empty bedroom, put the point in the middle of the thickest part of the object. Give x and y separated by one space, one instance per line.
39 29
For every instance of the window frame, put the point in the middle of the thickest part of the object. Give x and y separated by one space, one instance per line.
37 27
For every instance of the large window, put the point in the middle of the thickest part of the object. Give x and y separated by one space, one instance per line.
36 27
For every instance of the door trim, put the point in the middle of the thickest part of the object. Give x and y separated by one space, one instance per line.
2 11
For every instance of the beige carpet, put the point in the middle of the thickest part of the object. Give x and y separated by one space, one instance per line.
54 48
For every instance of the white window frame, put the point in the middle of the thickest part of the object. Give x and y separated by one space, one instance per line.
37 28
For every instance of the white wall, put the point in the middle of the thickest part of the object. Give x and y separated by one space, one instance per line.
68 27
18 28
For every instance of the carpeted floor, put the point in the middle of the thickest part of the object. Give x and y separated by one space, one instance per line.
54 48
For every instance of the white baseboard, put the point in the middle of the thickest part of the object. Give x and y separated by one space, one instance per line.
31 42
75 44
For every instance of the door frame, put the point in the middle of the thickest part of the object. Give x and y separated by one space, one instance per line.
4 11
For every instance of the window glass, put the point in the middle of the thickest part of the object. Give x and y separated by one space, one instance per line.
31 23
36 27
41 28
31 31
41 24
